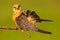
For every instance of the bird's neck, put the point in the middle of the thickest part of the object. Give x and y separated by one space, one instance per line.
16 14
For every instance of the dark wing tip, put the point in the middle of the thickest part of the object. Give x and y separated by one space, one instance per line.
49 33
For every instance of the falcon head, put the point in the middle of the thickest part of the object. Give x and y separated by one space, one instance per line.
16 7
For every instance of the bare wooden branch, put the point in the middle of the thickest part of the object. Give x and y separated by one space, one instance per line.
8 28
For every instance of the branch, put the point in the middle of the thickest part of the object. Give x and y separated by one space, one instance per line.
8 28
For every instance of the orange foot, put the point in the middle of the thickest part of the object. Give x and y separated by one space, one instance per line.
22 30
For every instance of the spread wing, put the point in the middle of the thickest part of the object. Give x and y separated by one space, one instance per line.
35 16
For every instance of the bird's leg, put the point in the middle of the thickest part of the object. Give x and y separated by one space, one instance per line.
23 31
28 34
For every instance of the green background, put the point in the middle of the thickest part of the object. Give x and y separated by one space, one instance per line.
46 9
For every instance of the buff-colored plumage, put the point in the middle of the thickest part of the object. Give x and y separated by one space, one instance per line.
16 14
25 22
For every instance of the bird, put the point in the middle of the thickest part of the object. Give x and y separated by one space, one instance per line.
33 17
22 21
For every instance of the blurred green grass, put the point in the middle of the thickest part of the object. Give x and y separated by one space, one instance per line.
46 9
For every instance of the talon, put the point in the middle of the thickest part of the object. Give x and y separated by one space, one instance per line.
16 28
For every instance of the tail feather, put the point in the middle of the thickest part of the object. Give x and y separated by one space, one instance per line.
43 31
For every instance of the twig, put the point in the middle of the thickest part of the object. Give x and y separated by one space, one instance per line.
8 28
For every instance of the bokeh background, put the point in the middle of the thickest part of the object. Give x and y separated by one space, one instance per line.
46 9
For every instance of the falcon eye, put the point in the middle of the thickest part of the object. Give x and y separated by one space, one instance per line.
14 7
